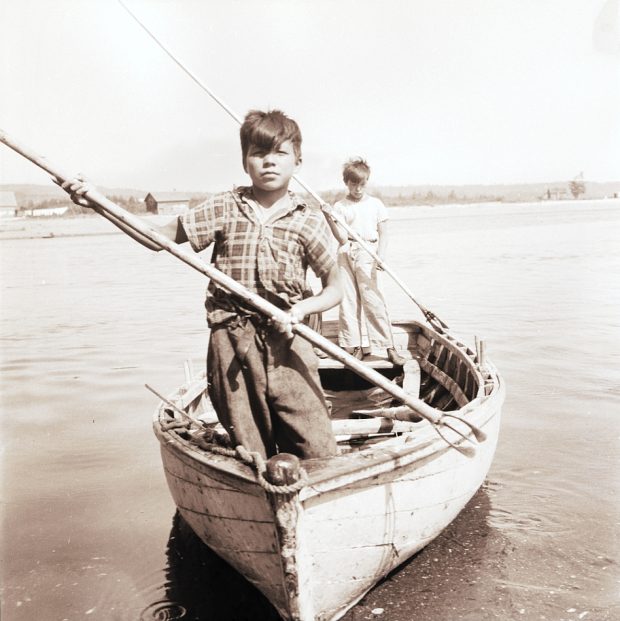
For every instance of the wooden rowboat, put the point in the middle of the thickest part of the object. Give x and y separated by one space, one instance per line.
317 543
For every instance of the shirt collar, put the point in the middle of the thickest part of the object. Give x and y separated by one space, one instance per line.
296 202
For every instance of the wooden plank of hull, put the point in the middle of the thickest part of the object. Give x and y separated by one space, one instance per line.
203 487
407 490
363 566
262 569
241 521
233 518
357 536
252 547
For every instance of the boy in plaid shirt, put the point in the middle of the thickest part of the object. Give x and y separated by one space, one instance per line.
263 381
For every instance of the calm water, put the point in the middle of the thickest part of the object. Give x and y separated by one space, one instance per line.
88 528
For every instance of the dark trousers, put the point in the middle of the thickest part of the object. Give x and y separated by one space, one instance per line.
266 391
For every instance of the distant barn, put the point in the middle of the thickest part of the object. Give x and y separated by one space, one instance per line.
39 212
8 205
167 204
557 194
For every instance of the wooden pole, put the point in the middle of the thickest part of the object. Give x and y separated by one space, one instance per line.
418 406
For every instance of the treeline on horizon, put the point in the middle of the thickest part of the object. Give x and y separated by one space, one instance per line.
136 206
30 198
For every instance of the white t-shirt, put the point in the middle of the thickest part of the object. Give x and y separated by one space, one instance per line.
363 216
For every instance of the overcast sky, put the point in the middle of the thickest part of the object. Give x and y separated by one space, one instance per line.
429 91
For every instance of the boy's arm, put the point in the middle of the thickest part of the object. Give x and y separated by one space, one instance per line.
337 231
77 188
172 230
329 296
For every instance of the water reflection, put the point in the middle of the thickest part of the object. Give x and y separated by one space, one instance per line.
200 586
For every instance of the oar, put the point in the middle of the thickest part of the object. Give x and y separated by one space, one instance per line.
119 214
437 323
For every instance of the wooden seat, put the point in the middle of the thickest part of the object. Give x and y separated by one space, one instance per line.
374 362
330 363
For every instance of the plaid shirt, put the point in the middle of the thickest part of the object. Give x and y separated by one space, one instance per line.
269 258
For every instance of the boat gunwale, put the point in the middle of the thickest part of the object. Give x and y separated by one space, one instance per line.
366 462
467 355
375 460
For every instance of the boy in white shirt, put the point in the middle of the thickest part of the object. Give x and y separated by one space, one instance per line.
362 301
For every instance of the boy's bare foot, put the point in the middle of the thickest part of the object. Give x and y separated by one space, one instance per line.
356 352
394 357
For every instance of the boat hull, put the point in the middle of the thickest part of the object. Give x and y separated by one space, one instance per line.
316 552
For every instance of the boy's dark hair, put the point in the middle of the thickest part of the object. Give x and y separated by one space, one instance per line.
355 170
268 130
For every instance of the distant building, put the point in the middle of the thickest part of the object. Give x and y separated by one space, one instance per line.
166 204
46 211
8 205
556 194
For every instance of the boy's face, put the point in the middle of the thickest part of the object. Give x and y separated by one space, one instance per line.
271 170
357 188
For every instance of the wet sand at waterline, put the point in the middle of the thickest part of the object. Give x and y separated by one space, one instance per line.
88 317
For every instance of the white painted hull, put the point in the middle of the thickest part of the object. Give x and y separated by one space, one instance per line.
315 553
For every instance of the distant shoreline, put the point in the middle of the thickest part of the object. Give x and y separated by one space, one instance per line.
34 195
87 225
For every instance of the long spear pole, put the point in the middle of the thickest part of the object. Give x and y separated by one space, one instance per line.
435 321
116 213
